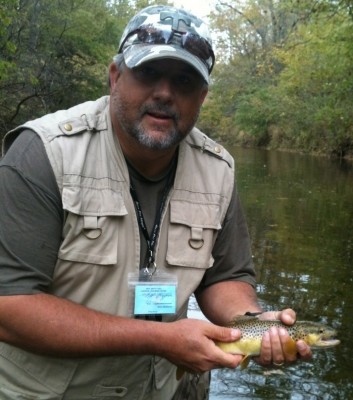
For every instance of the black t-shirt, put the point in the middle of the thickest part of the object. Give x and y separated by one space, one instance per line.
31 221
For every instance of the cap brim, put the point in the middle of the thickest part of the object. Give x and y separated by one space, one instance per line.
137 54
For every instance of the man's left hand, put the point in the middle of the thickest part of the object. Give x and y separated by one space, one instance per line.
276 349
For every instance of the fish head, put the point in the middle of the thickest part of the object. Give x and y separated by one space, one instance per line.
318 335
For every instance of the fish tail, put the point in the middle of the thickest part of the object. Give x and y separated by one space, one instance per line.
245 362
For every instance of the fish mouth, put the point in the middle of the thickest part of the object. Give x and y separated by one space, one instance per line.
327 343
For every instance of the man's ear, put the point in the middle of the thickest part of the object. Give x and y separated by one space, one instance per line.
203 94
114 74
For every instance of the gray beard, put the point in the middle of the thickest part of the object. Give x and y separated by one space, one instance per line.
173 138
135 129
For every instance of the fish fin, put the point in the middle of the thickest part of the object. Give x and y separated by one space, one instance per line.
241 318
179 373
245 362
290 347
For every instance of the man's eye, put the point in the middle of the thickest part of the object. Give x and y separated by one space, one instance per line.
184 79
187 82
146 73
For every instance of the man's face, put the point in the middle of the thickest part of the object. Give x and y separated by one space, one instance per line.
157 103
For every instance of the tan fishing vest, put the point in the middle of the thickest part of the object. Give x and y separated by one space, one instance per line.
101 245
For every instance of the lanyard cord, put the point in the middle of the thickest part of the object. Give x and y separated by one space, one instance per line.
151 240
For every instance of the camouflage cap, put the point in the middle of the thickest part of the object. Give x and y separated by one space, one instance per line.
167 32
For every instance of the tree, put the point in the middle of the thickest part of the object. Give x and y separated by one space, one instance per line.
6 45
287 65
250 33
317 83
55 53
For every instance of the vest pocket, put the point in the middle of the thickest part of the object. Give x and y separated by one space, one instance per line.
89 240
8 394
90 234
192 233
24 375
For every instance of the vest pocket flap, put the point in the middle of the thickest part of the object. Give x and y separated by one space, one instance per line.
90 201
90 234
206 216
192 233
90 240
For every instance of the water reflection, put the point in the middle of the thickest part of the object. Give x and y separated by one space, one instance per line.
300 213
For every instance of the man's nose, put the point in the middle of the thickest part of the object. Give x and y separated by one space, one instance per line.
164 89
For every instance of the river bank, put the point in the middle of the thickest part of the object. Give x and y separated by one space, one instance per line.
276 139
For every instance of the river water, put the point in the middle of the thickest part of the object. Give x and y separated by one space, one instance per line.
300 215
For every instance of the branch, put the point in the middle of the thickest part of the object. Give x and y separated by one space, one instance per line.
251 22
20 104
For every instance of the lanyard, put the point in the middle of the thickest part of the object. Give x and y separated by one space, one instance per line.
151 240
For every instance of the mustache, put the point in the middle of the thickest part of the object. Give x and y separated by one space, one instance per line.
162 109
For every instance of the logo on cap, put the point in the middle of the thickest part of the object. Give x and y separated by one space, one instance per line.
176 18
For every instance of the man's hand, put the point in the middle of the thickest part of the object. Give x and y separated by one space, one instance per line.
276 346
191 345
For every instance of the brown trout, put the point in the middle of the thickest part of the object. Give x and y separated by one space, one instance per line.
316 335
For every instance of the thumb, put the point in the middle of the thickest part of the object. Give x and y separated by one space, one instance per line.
222 334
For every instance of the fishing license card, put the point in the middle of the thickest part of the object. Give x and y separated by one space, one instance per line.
153 295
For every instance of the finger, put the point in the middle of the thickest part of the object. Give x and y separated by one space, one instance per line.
288 345
277 342
304 350
269 315
279 349
287 316
265 357
226 335
231 361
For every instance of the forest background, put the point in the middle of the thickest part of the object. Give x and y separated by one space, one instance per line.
283 77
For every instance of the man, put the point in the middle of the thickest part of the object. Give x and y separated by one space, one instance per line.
113 213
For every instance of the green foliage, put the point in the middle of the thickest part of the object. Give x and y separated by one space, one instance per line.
288 66
55 53
6 45
318 62
58 53
283 76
